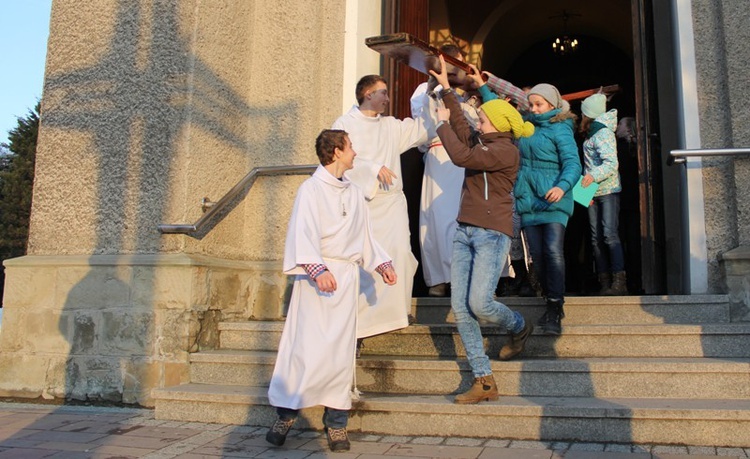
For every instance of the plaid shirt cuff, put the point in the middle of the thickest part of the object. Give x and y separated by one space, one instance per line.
314 270
383 267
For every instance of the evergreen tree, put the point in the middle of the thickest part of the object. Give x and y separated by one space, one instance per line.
17 160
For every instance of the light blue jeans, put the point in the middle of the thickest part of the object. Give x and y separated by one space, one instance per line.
478 258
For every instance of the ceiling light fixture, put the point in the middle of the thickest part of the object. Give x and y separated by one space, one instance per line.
564 44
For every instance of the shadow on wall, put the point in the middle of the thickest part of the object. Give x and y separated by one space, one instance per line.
135 109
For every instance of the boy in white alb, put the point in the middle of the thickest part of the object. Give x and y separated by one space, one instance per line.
329 238
379 142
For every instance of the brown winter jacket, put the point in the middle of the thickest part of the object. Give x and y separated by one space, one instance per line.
491 162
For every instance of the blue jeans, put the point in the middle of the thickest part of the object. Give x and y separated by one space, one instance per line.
333 418
546 244
478 258
604 220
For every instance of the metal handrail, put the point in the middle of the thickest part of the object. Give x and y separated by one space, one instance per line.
212 208
678 156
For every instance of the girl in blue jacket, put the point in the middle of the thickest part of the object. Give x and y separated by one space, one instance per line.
601 166
550 167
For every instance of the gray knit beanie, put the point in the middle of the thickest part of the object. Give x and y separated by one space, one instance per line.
551 95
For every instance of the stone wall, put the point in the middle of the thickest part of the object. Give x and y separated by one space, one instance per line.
112 328
150 106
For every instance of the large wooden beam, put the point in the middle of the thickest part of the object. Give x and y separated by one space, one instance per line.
423 57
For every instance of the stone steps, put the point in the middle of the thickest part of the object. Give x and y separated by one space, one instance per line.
590 310
576 341
594 377
666 370
707 422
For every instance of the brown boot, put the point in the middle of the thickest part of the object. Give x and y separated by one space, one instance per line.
484 388
517 343
619 285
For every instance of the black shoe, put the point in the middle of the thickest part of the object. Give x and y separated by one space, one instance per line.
526 290
545 317
502 288
554 315
338 440
276 435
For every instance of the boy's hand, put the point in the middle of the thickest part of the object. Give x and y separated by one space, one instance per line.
385 177
442 77
389 276
326 282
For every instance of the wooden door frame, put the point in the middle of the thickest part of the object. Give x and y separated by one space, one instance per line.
647 123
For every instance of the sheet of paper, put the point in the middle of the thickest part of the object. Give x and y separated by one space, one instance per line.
583 196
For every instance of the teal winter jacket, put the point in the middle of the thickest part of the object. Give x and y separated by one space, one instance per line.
549 158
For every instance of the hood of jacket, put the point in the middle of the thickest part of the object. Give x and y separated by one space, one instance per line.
609 119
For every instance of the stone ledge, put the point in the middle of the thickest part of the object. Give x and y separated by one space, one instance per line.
161 259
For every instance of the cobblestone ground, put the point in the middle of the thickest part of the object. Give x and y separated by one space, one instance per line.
32 431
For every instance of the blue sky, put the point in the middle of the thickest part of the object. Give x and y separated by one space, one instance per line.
24 28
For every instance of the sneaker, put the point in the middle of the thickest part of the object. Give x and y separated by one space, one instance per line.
276 435
338 440
517 343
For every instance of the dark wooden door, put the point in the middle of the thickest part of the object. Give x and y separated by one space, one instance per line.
413 17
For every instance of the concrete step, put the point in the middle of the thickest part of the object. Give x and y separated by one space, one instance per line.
577 341
596 377
592 310
622 420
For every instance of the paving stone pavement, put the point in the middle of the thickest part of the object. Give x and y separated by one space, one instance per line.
31 431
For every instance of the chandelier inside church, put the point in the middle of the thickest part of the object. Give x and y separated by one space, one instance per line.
564 44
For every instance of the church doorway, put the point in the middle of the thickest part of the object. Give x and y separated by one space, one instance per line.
514 41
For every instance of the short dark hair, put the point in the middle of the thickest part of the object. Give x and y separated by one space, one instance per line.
452 50
327 143
365 83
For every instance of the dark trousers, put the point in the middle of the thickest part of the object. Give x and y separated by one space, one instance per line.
333 418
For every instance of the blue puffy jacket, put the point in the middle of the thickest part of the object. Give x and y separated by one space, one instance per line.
549 158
